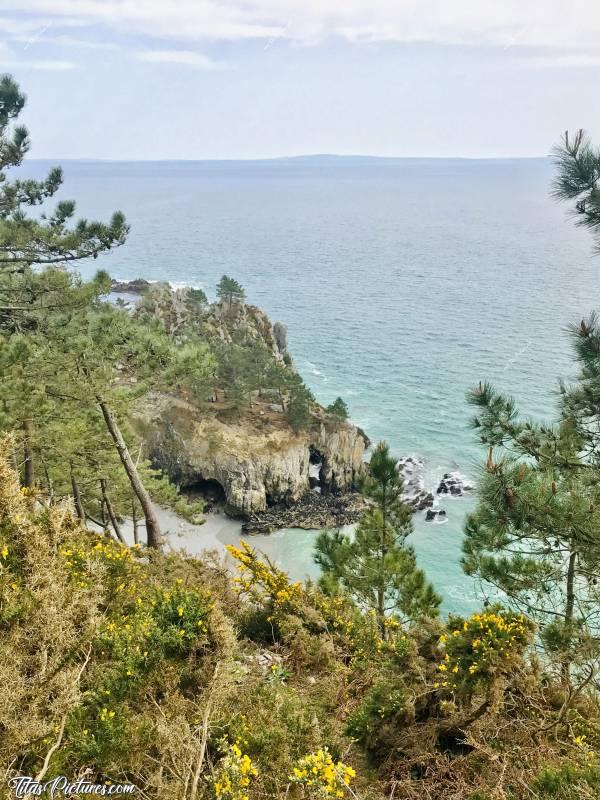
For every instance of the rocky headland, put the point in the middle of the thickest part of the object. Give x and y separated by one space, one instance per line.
250 462
253 464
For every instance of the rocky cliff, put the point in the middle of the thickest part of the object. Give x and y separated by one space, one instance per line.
257 461
253 459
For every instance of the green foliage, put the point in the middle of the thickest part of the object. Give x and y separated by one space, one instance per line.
299 406
38 239
577 163
384 704
338 409
568 782
230 291
535 531
198 297
149 677
376 566
479 650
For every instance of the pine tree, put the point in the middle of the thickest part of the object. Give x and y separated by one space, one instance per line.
228 289
377 567
536 532
299 403
73 378
338 409
578 171
30 239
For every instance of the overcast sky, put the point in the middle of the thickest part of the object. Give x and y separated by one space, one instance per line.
152 79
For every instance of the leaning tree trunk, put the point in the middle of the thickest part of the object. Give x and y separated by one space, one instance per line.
134 519
111 512
154 537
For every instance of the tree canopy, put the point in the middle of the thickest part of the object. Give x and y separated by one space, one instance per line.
377 567
229 290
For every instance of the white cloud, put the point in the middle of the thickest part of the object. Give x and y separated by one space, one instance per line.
187 57
534 23
43 36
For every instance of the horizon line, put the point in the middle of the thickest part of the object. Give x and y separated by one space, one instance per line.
300 157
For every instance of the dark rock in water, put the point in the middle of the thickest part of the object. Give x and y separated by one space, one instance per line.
435 513
314 510
424 500
136 286
453 483
415 494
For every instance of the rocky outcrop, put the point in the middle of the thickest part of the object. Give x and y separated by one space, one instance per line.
252 456
226 322
137 286
259 461
185 311
415 493
435 515
454 484
313 510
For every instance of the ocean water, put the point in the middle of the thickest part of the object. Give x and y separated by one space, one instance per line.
402 283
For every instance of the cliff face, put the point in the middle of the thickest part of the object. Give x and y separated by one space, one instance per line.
258 461
255 459
185 311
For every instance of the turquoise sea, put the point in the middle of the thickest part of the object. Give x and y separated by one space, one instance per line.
402 282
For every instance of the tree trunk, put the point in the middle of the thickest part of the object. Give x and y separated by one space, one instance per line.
28 476
569 610
134 519
77 496
154 537
49 483
111 513
382 554
104 518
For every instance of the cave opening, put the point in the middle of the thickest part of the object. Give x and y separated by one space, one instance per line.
315 470
209 490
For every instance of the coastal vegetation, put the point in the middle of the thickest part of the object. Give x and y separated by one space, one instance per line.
126 663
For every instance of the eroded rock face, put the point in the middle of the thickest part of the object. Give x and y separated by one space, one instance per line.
259 462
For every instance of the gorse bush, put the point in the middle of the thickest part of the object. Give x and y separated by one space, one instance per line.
128 665
321 777
481 649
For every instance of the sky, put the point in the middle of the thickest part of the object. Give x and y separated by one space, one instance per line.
232 79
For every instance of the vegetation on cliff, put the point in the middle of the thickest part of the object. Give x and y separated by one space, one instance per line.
74 365
125 664
128 665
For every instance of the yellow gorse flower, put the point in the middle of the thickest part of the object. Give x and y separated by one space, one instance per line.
482 646
326 777
234 773
264 582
